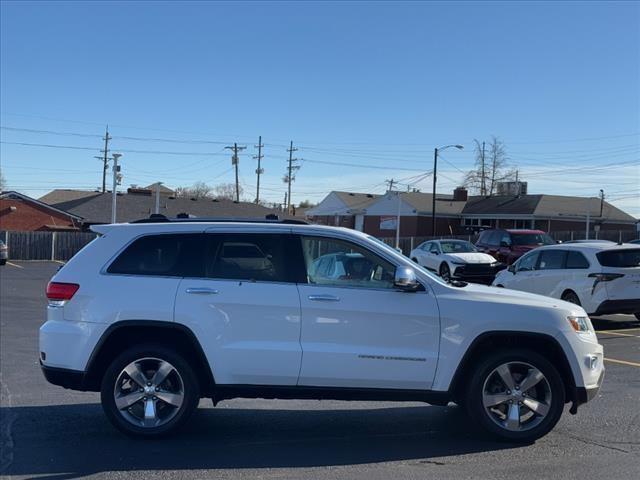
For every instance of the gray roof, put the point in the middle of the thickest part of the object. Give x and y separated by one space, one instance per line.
357 200
97 208
60 195
545 206
423 202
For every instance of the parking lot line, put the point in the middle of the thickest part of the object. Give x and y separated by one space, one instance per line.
608 332
622 362
14 265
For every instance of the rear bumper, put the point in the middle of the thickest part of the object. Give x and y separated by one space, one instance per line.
618 306
63 377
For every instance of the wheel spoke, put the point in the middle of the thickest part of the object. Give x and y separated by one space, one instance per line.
513 417
537 407
163 371
531 380
150 418
128 399
495 399
136 374
174 399
505 375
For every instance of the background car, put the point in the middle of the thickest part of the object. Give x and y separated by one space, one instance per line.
456 259
603 278
507 246
635 242
4 253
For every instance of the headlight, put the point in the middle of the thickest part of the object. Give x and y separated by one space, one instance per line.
580 324
454 262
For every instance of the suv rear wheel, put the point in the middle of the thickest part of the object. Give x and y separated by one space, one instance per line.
149 391
516 395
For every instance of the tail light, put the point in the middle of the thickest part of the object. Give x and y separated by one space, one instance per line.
603 277
58 293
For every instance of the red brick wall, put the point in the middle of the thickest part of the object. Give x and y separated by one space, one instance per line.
29 217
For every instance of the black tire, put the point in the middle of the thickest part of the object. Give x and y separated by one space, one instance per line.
191 391
3 261
445 272
571 297
637 315
474 395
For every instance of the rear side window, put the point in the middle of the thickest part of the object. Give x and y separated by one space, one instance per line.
576 260
174 255
253 257
620 258
551 259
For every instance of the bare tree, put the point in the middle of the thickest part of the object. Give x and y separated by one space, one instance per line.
197 190
491 167
3 182
227 191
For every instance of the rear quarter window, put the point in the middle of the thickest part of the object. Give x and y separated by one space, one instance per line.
623 258
576 260
175 255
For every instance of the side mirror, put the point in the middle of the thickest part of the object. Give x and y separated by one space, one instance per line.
512 269
405 279
436 253
505 244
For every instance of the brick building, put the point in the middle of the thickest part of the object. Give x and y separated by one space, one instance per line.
20 212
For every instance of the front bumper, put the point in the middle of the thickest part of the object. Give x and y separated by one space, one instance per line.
483 274
608 307
586 394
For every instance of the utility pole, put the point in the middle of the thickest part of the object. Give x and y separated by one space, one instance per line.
433 200
235 160
105 159
290 176
157 210
483 183
116 175
259 171
390 183
601 202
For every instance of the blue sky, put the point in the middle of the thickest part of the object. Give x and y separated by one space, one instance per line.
368 87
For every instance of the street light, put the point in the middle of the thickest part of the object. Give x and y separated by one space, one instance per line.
116 170
435 168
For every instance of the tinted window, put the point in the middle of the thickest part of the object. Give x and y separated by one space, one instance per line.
620 258
252 257
352 265
528 262
176 255
531 239
551 260
504 239
576 260
494 238
434 248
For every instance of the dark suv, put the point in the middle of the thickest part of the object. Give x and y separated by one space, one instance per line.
507 246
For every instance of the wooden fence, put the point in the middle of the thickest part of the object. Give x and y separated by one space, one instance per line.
59 246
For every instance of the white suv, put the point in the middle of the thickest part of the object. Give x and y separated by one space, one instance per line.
157 315
602 277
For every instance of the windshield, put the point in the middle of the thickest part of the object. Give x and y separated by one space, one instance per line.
620 258
457 246
531 239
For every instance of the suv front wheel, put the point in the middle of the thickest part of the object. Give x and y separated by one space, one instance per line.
149 391
516 395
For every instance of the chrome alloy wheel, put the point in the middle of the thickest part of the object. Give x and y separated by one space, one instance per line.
516 396
149 392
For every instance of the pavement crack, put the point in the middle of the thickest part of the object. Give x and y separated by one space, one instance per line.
592 442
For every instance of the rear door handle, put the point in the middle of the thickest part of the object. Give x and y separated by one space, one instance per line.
324 298
201 291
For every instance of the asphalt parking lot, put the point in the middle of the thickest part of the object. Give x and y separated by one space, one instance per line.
48 432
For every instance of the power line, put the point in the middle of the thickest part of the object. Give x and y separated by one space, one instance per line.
290 176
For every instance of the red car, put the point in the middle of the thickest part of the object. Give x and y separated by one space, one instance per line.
507 246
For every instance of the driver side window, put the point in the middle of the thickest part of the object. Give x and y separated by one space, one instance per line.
353 266
434 248
527 263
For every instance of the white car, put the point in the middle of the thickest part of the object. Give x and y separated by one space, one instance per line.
603 278
157 315
456 260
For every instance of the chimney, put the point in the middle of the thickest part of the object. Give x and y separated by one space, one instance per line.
460 194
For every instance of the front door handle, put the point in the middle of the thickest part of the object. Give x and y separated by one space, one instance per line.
324 298
201 291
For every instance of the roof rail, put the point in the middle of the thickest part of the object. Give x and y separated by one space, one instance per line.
186 218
